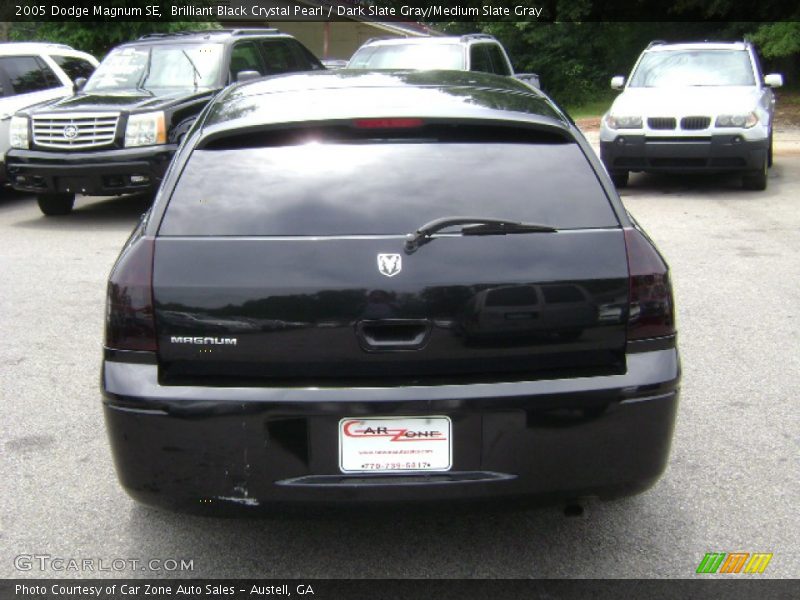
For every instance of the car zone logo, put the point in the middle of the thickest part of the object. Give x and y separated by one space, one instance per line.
390 264
359 429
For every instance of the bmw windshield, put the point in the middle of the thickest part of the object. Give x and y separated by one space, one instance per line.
687 68
158 67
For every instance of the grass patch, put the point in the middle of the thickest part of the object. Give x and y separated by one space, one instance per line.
787 108
593 108
789 96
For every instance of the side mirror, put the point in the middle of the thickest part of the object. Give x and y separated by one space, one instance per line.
248 75
78 84
774 80
617 82
532 79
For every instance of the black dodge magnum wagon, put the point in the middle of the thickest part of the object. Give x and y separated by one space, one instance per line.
395 286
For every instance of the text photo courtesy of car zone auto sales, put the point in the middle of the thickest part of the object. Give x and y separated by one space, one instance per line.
298 295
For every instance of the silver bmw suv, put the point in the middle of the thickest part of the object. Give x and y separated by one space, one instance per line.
689 108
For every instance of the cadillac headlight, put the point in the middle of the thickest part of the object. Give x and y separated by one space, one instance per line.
18 132
626 122
146 129
741 121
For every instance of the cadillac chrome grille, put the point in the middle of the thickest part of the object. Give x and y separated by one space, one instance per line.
75 130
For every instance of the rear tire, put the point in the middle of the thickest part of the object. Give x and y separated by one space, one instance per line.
620 178
56 204
756 180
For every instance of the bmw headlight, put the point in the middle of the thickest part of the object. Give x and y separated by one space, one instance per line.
741 121
623 122
146 129
18 132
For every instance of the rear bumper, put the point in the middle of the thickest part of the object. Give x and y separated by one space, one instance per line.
98 173
198 447
714 153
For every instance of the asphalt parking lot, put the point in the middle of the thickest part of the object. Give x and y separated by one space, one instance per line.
732 485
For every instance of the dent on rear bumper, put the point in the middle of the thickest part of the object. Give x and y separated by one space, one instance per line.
200 447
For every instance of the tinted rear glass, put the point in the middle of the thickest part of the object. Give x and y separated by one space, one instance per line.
74 67
382 188
555 294
522 295
28 74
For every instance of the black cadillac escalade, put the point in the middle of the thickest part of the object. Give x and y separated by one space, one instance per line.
118 133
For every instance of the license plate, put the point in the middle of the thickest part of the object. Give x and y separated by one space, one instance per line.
74 185
395 444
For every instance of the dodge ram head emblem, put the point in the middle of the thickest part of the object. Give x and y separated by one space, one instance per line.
70 132
389 264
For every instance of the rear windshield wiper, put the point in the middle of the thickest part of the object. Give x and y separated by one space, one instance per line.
473 226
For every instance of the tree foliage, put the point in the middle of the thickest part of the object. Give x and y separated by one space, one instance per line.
778 39
99 37
574 56
575 60
96 38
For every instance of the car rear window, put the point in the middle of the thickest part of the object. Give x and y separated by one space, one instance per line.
74 67
409 56
348 188
518 295
28 74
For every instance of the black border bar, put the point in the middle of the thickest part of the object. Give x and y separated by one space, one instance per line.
734 587
408 11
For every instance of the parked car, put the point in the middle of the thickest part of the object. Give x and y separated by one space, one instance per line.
31 73
506 313
700 107
471 52
118 134
291 202
334 63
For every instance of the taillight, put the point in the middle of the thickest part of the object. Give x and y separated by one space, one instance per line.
130 320
391 123
651 312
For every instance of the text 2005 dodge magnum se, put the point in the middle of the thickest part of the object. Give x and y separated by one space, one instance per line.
367 287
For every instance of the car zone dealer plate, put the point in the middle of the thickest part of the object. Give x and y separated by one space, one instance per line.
395 444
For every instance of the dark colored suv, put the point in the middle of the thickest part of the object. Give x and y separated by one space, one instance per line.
118 134
364 287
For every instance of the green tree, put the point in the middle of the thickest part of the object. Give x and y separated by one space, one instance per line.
97 38
778 39
576 59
